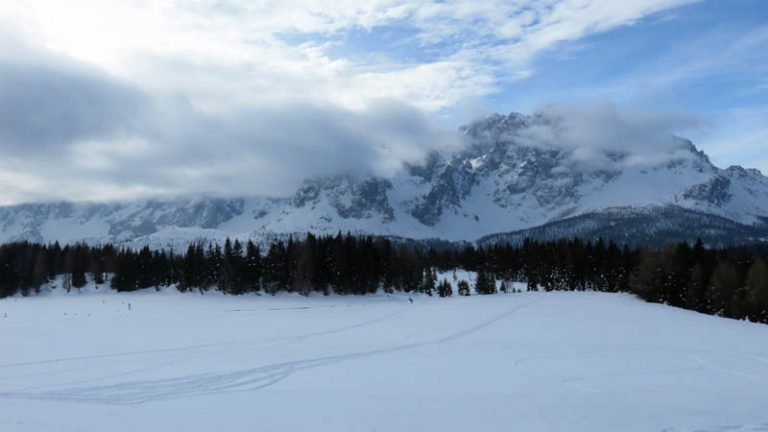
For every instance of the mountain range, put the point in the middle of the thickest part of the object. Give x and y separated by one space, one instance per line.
516 177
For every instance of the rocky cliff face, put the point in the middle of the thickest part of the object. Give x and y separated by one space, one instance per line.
503 181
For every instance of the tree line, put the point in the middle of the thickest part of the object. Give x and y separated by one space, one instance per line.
729 282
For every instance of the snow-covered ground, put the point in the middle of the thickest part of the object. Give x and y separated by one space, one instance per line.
164 361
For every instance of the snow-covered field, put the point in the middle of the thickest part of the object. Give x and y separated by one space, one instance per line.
164 361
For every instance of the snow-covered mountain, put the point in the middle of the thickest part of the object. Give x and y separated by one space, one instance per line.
517 174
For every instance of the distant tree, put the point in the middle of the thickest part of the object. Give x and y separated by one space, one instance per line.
428 285
697 285
757 291
97 271
411 273
305 272
485 283
503 287
731 282
193 268
146 271
532 284
252 271
444 289
463 287
69 263
236 268
273 265
738 307
212 274
40 271
126 271
225 275
722 286
649 278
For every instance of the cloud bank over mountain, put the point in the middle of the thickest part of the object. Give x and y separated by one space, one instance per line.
75 132
113 100
599 135
84 132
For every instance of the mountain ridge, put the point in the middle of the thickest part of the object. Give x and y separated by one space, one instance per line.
516 173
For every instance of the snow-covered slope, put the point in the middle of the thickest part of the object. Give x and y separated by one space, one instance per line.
502 181
549 362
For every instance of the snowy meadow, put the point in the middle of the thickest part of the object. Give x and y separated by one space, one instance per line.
561 361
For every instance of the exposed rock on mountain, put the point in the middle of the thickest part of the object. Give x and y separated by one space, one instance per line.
519 175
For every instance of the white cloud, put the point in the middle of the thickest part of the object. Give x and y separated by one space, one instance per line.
216 52
599 136
83 135
172 96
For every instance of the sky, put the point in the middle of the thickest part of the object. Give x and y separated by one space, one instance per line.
127 99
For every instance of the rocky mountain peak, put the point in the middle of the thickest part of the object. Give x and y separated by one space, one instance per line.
516 173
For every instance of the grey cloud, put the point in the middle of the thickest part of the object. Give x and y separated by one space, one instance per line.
84 131
271 149
602 136
52 105
91 136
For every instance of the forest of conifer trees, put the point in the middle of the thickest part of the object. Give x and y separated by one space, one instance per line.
727 282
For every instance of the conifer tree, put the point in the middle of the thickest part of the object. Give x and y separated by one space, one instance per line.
192 274
252 266
304 274
694 294
648 279
146 272
463 287
722 286
757 291
503 287
273 268
236 268
429 282
69 263
40 271
97 271
484 284
532 284
444 289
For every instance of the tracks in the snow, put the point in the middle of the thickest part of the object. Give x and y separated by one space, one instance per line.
143 391
246 342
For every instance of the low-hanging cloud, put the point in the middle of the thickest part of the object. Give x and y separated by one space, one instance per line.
269 150
69 131
46 105
216 99
599 135
83 135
